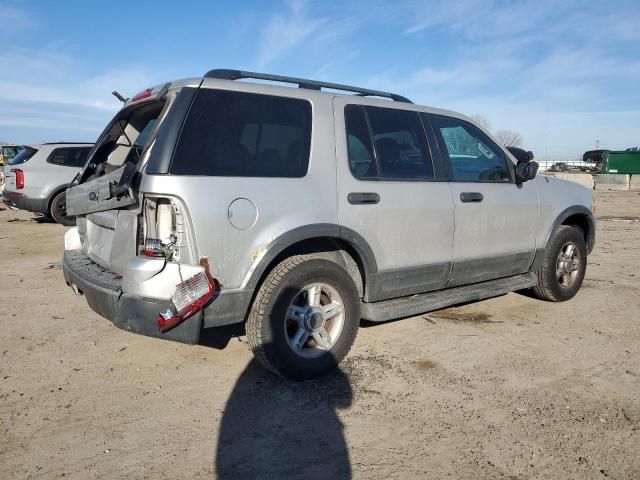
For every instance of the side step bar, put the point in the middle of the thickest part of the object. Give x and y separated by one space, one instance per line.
427 302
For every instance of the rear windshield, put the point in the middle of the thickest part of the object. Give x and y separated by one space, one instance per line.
125 139
238 134
23 156
11 151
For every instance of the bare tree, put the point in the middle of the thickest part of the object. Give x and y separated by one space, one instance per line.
482 121
509 138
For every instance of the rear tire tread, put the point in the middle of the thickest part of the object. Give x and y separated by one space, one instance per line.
260 308
53 213
261 338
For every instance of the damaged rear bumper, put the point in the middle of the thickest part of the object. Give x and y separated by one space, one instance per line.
135 313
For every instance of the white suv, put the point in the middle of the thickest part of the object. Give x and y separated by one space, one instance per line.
36 179
210 201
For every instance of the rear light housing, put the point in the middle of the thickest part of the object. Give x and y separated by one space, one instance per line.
153 248
190 296
19 175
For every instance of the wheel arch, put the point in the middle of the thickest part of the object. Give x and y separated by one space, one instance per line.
577 216
340 244
53 194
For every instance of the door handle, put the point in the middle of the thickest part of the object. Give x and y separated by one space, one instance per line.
363 198
471 197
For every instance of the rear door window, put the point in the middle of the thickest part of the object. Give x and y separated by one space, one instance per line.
69 156
400 143
359 148
387 144
240 134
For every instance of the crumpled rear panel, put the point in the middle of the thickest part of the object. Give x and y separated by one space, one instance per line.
110 238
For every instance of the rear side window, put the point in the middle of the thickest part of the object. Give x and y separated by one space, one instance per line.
472 155
361 161
23 156
387 144
69 157
239 134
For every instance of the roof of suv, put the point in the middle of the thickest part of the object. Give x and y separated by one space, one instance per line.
67 143
60 144
224 74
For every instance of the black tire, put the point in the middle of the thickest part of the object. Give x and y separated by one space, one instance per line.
267 320
58 210
549 285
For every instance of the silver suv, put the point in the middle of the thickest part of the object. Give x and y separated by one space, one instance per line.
36 179
211 201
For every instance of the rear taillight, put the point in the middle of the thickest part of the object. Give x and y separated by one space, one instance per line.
191 291
19 175
142 95
153 248
190 296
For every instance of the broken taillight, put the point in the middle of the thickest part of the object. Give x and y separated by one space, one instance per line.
153 248
19 178
190 296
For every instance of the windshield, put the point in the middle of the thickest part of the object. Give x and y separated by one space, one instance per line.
25 154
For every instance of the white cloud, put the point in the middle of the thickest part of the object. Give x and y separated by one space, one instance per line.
302 29
283 33
13 19
42 92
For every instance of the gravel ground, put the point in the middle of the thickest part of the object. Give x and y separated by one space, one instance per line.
506 388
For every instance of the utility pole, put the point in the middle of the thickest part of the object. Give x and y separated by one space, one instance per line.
597 144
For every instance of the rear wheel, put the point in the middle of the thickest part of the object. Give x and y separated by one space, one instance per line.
564 265
304 318
58 210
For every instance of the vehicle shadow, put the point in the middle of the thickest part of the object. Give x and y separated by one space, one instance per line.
43 219
275 428
219 337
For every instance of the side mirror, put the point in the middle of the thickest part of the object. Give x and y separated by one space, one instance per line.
520 154
526 171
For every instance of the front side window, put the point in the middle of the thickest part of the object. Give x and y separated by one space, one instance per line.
69 157
396 137
472 155
240 134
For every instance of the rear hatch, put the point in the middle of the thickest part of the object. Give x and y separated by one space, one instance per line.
105 197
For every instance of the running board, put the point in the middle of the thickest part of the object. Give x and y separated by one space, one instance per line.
427 302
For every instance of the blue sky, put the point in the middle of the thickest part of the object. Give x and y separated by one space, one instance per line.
562 73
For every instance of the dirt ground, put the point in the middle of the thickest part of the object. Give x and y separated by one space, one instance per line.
506 388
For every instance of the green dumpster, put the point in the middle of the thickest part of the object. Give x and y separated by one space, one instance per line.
627 162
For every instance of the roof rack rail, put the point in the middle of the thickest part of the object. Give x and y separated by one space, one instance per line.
66 143
225 74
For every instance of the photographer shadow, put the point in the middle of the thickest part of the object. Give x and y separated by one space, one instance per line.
275 428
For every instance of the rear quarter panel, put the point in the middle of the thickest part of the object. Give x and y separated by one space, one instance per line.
282 204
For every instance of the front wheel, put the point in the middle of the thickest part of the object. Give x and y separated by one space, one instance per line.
58 210
304 318
563 266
